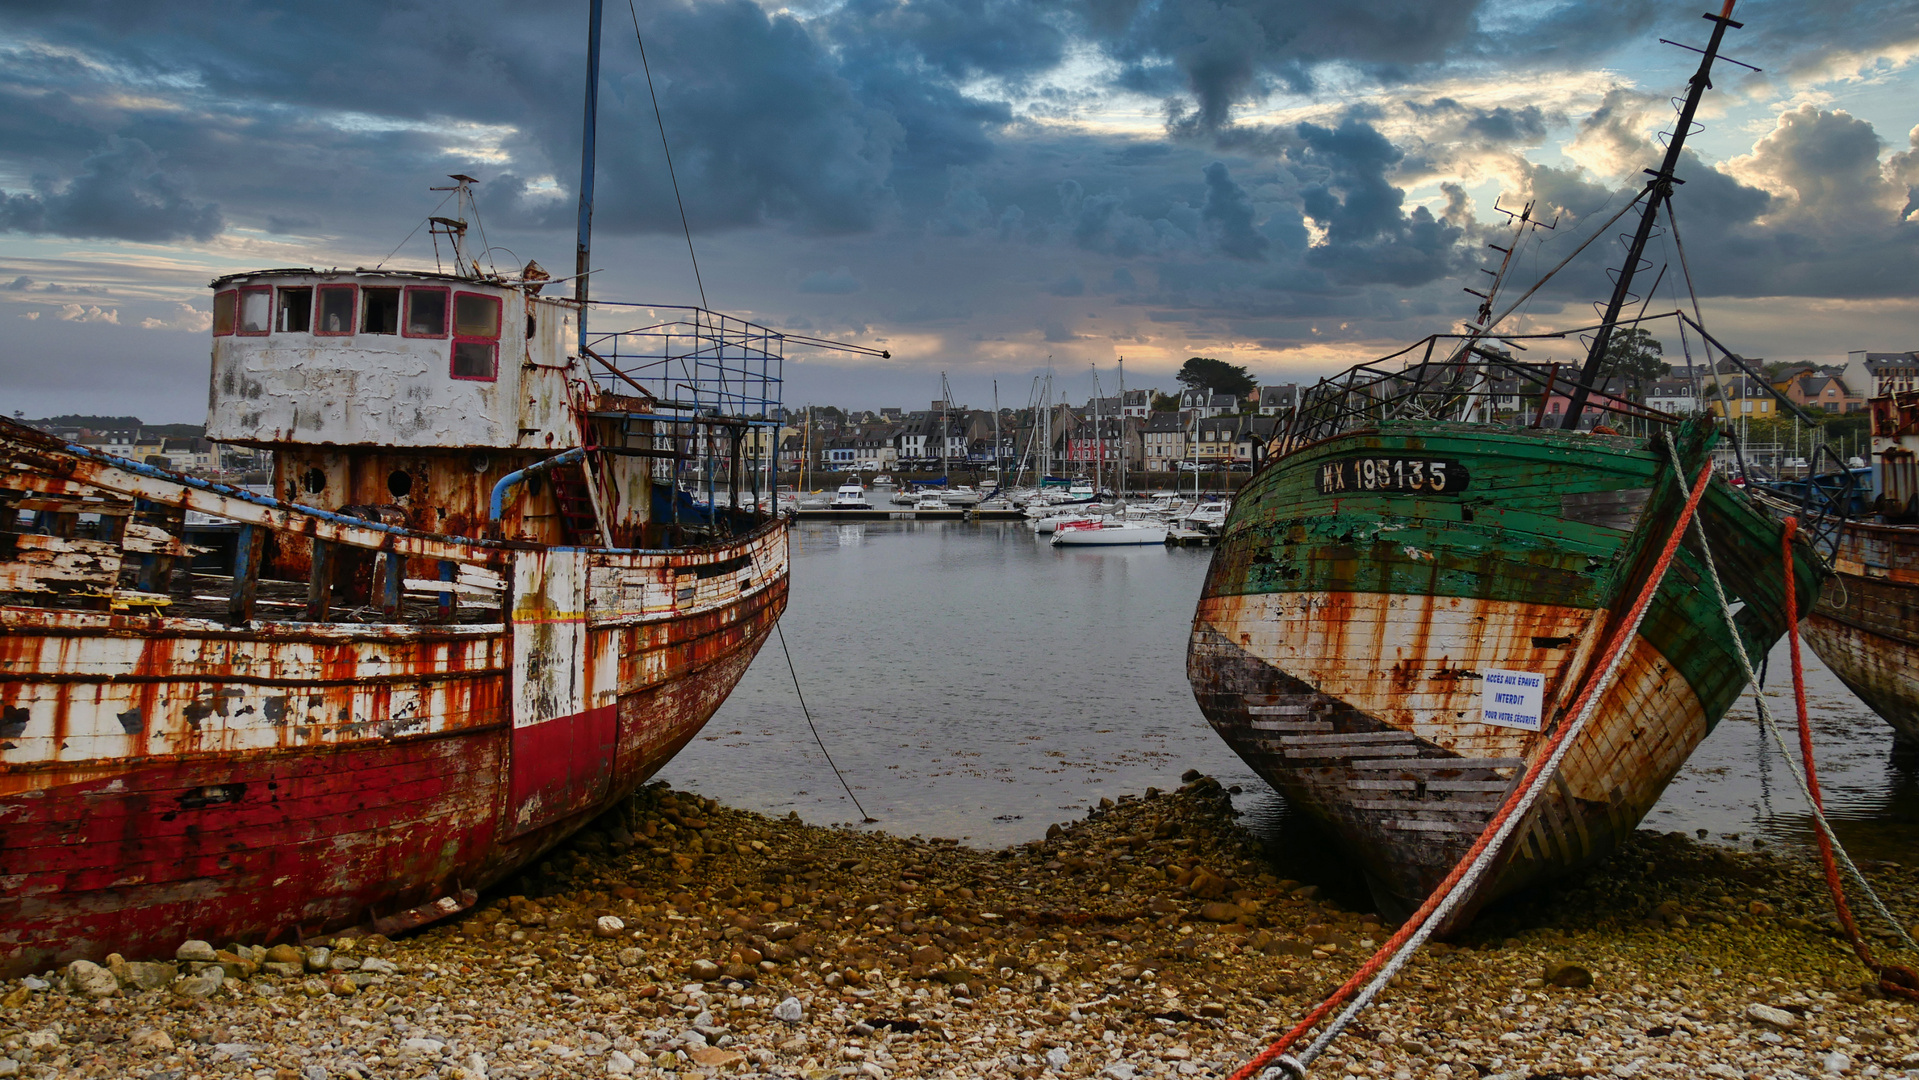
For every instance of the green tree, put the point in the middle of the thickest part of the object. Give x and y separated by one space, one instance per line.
1205 373
1165 402
1636 356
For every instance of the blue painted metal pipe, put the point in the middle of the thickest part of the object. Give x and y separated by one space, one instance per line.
154 472
496 506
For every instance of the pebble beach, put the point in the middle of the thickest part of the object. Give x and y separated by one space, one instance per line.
680 938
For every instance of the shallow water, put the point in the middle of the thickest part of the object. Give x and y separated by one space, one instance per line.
972 681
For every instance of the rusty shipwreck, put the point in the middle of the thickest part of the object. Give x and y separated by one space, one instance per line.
506 569
1412 590
1865 628
476 610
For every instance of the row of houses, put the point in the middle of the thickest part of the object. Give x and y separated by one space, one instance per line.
182 453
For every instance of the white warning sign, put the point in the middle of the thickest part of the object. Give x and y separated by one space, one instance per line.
1512 698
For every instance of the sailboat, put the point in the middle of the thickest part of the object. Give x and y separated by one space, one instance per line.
480 605
1409 595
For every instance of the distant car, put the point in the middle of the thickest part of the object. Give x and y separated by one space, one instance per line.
1795 463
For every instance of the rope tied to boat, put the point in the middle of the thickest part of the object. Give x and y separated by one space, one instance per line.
1792 765
1380 969
865 818
1894 979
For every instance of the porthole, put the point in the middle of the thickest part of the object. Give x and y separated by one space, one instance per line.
399 482
314 481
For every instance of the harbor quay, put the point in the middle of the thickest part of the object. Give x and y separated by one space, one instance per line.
679 938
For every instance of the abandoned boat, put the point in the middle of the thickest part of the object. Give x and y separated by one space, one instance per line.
476 612
506 571
1416 586
1865 627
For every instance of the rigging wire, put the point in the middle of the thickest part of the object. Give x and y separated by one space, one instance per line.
865 817
1597 233
661 121
409 236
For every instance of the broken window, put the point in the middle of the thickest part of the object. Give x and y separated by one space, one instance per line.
256 310
296 311
336 310
425 312
226 309
380 314
476 336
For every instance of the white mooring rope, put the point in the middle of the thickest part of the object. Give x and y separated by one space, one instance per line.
1792 762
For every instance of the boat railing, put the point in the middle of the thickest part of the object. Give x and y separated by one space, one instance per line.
713 385
1470 380
84 530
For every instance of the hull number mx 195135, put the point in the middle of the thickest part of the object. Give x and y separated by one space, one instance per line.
1423 476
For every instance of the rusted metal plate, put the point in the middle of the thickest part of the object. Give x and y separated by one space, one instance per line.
564 694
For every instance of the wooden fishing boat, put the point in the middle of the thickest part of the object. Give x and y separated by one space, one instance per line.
1411 592
1351 628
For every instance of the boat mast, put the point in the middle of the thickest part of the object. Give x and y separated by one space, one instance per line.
1046 426
998 469
1122 431
946 402
1099 441
585 244
1658 189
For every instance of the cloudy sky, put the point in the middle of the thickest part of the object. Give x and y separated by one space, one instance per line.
977 185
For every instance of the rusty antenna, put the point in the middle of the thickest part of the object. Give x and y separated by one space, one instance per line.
454 228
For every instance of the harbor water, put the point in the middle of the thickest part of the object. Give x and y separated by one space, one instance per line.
972 681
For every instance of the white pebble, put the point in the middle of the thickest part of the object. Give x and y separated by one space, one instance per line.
789 1011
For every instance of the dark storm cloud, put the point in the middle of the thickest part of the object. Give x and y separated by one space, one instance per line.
1070 285
121 193
1346 190
959 38
1500 125
766 121
1230 213
1226 51
836 282
1831 225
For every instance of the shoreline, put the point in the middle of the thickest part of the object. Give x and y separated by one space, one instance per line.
1148 939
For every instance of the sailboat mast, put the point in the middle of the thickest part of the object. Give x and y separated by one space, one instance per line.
582 253
1658 189
946 402
1122 430
998 467
1099 442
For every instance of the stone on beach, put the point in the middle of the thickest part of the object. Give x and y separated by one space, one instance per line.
777 950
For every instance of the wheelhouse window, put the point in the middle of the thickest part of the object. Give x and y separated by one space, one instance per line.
425 312
380 311
335 316
226 311
476 336
296 311
256 310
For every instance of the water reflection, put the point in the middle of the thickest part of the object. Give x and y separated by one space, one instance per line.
975 682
